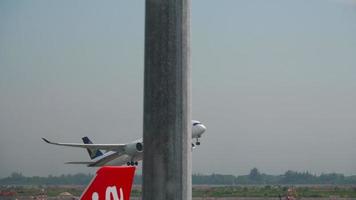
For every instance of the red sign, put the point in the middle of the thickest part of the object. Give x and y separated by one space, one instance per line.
110 183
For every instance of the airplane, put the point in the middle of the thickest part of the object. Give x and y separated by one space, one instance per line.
121 154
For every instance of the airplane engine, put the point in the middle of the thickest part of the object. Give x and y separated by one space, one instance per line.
133 148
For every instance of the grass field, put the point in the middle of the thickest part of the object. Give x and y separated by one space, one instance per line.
275 191
211 192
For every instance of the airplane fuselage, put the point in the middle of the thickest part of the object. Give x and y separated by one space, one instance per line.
120 154
131 159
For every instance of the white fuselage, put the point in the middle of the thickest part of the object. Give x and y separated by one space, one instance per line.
197 131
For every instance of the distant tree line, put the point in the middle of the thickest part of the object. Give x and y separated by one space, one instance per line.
289 177
19 179
255 177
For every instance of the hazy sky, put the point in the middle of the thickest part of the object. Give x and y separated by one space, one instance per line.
274 81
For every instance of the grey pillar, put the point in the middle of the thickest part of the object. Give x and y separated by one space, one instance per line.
167 121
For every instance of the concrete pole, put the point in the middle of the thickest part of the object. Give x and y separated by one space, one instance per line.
167 114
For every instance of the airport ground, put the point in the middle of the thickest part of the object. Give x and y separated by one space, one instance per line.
200 192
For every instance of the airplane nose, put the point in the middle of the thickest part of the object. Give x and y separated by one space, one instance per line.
202 128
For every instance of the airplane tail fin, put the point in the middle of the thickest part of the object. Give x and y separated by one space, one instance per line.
110 182
92 153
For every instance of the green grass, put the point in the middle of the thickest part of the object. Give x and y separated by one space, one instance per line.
267 191
273 191
211 191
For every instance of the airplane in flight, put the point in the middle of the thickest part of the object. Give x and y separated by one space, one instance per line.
121 154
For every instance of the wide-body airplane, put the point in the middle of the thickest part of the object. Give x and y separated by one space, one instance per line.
120 154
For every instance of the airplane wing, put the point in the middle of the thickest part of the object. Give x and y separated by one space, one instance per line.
105 159
107 147
99 162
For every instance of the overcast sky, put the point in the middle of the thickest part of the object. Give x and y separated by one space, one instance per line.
274 81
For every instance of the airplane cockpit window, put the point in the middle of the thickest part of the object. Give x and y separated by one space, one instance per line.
196 123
